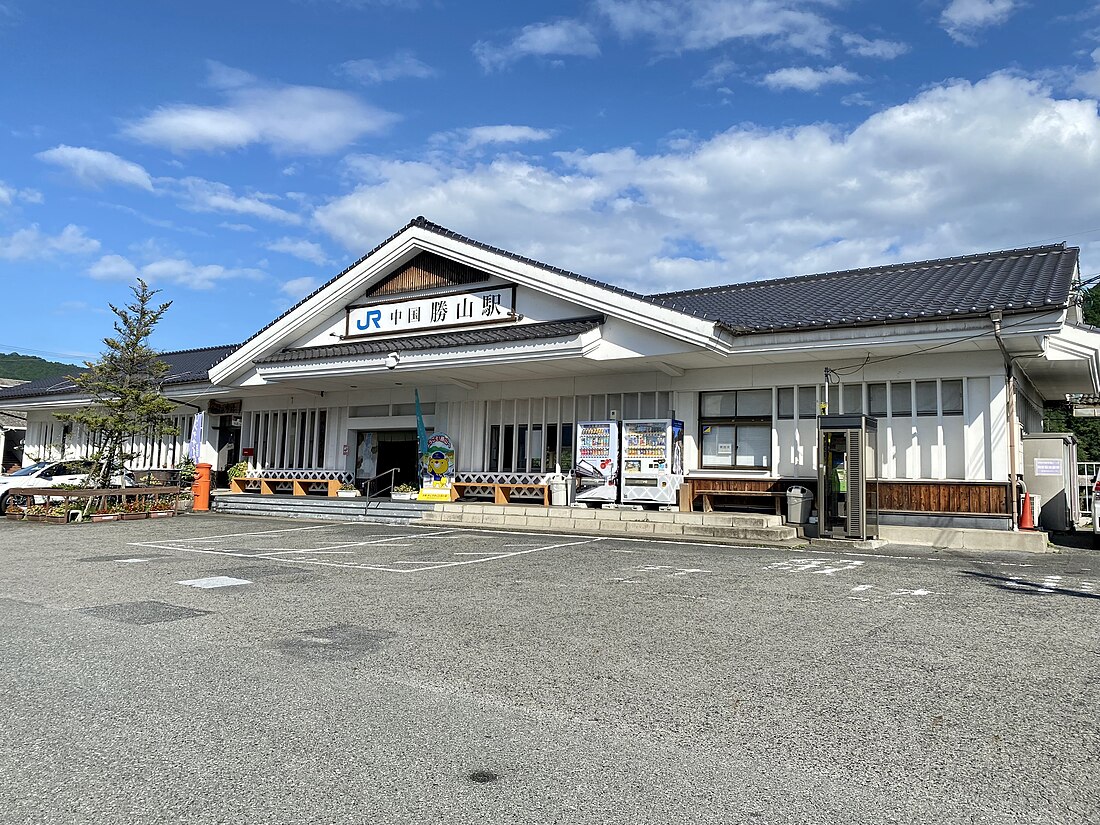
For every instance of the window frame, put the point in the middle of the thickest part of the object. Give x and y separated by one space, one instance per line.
735 421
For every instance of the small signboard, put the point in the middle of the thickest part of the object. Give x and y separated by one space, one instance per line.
437 469
1048 467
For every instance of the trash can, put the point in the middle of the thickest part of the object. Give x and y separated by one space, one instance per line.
558 495
799 502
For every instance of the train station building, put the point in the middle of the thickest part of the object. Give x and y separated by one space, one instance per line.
952 358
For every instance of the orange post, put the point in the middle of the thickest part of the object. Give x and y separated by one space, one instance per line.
200 488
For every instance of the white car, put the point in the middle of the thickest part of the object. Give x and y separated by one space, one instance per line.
53 473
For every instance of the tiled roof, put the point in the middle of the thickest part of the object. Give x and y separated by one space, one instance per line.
441 340
1016 280
184 367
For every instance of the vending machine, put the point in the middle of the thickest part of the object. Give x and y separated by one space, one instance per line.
597 464
653 460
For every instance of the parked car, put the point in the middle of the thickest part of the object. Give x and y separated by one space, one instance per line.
52 473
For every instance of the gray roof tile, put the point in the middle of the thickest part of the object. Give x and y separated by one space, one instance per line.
1016 280
184 367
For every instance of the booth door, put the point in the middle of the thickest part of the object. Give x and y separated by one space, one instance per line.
833 509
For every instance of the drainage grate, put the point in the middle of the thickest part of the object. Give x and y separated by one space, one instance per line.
141 613
481 777
340 641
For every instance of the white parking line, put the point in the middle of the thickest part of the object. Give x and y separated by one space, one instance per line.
299 554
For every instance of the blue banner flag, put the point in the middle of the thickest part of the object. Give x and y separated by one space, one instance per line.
421 431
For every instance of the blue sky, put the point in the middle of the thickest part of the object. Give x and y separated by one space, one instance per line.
237 154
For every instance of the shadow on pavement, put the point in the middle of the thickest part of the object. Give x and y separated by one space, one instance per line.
1026 587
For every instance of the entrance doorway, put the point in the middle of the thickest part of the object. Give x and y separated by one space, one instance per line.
229 447
389 449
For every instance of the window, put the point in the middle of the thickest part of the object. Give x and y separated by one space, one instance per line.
876 400
901 399
736 429
927 403
785 403
951 397
853 398
807 402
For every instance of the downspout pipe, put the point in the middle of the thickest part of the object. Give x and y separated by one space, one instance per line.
1010 412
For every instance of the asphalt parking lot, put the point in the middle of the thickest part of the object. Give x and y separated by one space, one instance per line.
212 669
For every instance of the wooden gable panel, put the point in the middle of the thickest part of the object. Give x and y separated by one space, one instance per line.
428 271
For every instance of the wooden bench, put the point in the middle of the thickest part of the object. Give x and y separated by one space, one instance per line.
278 485
709 497
501 492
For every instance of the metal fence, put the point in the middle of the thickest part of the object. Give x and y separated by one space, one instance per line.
1086 472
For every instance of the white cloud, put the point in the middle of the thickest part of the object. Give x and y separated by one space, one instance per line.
704 24
289 119
562 38
399 65
962 18
32 244
1089 82
960 168
481 136
882 49
113 268
805 79
168 270
302 249
9 195
94 167
199 195
299 287
237 227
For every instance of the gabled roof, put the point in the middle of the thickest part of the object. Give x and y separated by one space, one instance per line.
420 222
1015 280
442 340
184 367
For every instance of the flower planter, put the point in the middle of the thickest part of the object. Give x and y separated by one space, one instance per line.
106 516
404 496
161 513
347 494
134 516
56 519
34 518
11 515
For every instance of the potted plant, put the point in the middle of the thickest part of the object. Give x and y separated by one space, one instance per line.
57 514
347 490
14 513
108 512
36 512
134 510
161 507
404 492
238 470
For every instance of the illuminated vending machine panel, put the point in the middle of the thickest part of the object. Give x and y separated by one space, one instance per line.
597 464
653 460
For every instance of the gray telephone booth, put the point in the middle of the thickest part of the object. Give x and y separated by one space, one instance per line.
847 476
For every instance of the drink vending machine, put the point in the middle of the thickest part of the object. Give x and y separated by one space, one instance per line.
597 465
653 460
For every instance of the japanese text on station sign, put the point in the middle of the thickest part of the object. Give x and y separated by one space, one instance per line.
480 306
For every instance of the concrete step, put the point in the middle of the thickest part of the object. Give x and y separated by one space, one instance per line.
381 511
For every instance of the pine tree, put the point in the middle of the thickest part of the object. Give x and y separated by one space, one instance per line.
124 385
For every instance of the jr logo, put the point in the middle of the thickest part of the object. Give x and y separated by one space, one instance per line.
372 319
